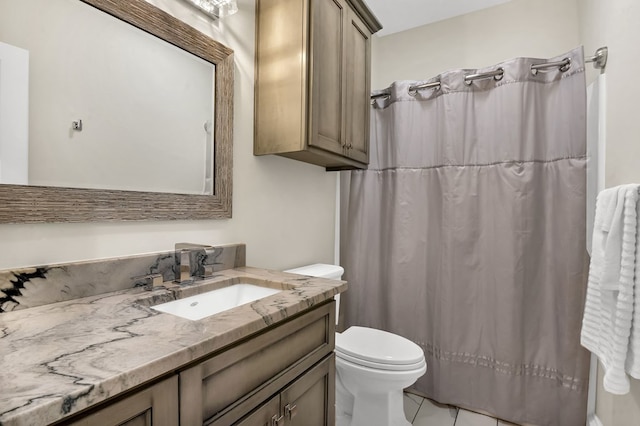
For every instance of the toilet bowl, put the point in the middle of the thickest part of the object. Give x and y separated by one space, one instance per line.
372 368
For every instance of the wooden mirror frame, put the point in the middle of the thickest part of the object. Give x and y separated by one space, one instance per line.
39 204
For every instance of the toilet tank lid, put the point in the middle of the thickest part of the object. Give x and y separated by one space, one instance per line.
320 270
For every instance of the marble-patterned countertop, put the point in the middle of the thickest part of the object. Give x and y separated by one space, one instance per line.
61 358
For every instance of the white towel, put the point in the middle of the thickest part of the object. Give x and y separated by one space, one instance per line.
632 363
611 325
593 420
610 228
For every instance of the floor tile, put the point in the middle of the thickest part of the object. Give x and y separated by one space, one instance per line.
417 398
411 406
506 423
469 418
431 414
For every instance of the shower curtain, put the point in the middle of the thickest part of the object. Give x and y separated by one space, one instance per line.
466 235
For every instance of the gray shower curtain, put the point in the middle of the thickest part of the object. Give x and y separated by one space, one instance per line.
467 236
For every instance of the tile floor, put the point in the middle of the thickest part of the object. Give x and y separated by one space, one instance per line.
424 412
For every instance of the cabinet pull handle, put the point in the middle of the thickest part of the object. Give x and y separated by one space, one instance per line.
275 420
290 411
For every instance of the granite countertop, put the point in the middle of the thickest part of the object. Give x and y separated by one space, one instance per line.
61 358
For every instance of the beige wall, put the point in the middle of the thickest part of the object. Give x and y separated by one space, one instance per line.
615 24
476 40
282 209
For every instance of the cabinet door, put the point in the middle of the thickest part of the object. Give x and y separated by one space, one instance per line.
222 389
265 415
281 77
310 400
154 406
358 49
328 18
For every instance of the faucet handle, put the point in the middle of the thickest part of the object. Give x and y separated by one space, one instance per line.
207 271
150 281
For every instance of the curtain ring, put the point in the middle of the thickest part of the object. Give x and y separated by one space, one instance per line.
384 96
562 65
497 75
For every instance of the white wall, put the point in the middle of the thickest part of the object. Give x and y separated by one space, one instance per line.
615 24
282 209
532 28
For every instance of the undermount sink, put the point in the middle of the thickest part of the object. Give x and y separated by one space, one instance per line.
215 301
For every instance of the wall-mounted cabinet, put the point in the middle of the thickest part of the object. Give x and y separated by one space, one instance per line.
313 60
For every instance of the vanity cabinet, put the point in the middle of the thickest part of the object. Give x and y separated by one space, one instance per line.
156 405
312 89
282 376
286 374
309 401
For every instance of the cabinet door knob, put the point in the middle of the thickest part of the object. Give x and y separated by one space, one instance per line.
275 420
290 411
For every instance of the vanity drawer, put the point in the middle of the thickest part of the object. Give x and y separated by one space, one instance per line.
212 387
157 405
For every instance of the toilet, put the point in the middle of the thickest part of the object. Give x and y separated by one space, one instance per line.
372 368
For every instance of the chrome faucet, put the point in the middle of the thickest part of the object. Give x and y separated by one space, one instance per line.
192 257
183 265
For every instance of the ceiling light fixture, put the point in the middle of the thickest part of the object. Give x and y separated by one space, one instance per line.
216 8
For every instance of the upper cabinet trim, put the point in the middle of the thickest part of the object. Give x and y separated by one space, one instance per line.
366 15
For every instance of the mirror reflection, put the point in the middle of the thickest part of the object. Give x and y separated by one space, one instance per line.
89 101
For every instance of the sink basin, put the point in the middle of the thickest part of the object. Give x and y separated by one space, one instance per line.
215 301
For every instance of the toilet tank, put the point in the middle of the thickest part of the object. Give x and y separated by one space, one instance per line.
322 270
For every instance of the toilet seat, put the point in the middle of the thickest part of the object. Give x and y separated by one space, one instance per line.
380 366
378 349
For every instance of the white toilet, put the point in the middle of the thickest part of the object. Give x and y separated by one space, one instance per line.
372 368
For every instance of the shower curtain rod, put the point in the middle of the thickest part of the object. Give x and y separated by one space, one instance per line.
600 58
599 62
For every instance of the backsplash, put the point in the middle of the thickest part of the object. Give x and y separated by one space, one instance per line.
40 285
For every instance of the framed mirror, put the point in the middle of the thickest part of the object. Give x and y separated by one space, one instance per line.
81 174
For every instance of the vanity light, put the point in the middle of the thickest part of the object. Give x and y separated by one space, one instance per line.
216 8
